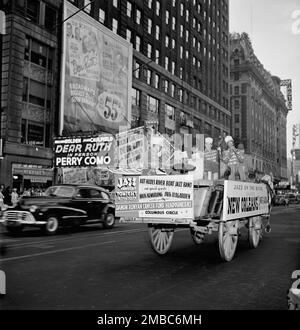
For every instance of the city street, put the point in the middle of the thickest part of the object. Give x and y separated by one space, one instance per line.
93 268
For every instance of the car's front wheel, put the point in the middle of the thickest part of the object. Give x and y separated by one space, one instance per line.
109 221
51 226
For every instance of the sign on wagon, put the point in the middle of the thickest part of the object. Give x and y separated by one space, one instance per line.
168 196
244 199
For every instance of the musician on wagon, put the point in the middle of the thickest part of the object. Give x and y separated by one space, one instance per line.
234 159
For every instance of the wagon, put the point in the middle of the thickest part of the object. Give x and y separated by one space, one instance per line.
169 202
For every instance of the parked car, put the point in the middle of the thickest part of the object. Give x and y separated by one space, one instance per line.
293 199
62 205
281 200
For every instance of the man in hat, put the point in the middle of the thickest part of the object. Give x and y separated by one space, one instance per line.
233 158
211 160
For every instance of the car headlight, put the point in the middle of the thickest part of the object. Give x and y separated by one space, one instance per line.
32 208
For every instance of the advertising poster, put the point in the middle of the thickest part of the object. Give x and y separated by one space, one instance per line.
74 175
92 151
244 199
96 75
130 150
165 196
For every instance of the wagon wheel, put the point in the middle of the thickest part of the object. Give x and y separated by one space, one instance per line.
197 236
255 231
161 239
228 238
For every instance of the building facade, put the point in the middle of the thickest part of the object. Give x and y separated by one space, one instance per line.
259 113
180 77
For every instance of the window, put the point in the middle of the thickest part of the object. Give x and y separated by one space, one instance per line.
187 36
180 94
138 16
152 104
173 43
169 112
157 56
157 32
237 133
88 8
138 43
181 31
181 9
166 86
166 63
148 76
236 119
50 18
167 17
115 3
167 41
181 72
149 50
236 104
150 4
157 8
136 97
129 8
156 81
173 67
236 90
173 90
173 23
33 10
115 25
101 16
181 52
136 70
128 35
149 28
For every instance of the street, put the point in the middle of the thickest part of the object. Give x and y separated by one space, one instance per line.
93 268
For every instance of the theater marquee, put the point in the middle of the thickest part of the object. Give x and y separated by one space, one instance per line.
95 151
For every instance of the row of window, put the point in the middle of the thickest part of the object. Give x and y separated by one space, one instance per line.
183 96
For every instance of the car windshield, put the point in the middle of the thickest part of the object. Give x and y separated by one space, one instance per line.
60 191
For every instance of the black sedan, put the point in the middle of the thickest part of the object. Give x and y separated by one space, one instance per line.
62 205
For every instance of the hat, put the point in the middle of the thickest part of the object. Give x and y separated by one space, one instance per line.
228 138
209 140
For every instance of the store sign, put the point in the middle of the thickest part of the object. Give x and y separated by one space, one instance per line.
287 83
168 196
244 199
95 151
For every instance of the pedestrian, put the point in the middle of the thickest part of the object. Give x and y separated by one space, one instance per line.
14 197
1 199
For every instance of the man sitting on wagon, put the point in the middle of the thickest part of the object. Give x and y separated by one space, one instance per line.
234 159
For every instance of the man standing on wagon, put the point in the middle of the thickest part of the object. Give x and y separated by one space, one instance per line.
234 159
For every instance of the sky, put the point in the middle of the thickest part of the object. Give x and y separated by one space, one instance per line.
274 29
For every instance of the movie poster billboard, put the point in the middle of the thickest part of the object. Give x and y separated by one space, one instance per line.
244 199
166 196
96 75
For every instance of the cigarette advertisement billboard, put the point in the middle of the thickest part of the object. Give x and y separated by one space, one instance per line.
96 77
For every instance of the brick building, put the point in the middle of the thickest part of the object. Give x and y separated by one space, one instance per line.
258 110
180 73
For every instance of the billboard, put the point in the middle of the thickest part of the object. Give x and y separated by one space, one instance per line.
91 151
167 196
287 83
96 75
244 199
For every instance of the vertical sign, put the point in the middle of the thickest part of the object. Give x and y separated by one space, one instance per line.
96 75
289 98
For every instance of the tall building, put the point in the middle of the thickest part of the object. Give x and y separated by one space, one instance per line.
180 73
258 109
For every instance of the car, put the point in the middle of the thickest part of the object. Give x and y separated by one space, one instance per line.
281 200
293 199
62 205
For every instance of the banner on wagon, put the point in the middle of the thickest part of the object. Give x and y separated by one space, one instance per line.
165 196
244 199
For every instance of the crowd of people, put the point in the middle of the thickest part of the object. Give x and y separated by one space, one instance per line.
10 196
